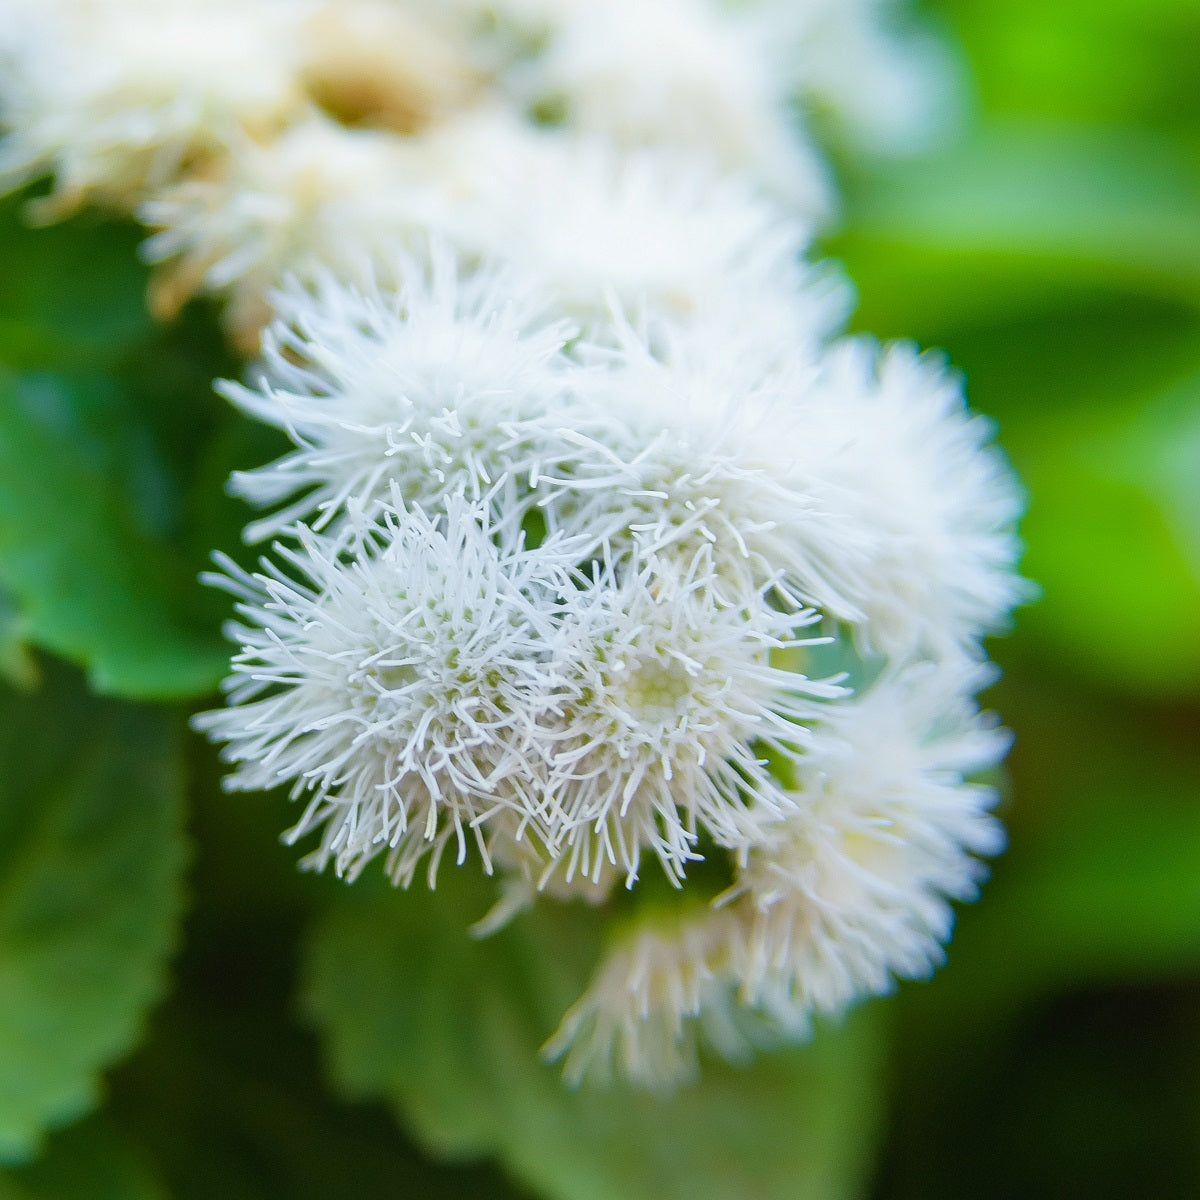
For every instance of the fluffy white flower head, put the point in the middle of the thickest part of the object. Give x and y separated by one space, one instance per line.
394 675
675 701
424 389
695 443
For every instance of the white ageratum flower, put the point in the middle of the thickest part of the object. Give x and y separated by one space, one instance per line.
424 390
394 676
674 703
933 502
699 442
115 97
853 890
661 991
388 63
654 231
320 199
692 74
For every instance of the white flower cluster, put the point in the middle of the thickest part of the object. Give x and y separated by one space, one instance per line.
593 612
263 139
599 560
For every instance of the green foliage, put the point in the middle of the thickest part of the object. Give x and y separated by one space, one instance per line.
17 667
105 591
91 860
1042 212
71 296
1123 490
91 1160
448 1029
113 458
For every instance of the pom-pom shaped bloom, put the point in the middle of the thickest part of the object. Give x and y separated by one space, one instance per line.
114 97
660 992
699 443
853 890
933 502
674 704
320 199
395 676
426 390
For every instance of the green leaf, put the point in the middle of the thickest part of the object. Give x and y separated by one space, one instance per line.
91 862
224 1072
1114 537
70 294
449 1029
84 506
1119 62
1099 886
91 1160
1038 212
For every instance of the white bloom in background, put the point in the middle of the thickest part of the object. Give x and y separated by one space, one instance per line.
654 231
853 890
684 73
395 64
394 676
426 390
934 503
113 97
674 703
319 200
658 994
903 94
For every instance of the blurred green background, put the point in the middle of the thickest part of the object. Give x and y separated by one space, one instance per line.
1054 252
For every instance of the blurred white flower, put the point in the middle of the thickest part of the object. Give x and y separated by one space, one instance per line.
692 74
656 234
427 389
853 890
394 675
904 92
653 231
661 991
319 200
395 64
113 97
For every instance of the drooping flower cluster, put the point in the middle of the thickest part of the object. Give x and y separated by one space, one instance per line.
597 557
